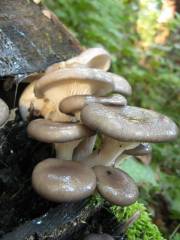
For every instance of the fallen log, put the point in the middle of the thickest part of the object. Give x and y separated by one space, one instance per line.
31 38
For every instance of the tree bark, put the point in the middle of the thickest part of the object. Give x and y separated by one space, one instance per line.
31 38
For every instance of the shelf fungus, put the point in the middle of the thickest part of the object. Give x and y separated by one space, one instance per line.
76 101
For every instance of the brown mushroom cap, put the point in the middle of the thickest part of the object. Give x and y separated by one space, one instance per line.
129 123
63 181
75 103
91 58
116 186
4 112
141 150
94 236
52 132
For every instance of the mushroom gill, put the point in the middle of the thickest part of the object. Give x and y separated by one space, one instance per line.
77 76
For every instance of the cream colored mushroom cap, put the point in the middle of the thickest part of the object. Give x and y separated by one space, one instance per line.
4 112
92 58
58 85
29 102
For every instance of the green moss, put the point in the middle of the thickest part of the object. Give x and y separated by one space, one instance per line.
143 228
96 200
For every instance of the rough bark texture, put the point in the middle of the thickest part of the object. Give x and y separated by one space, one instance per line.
29 40
59 223
23 213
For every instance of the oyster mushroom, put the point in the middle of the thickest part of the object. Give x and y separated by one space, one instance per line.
84 148
91 58
116 186
64 135
75 103
29 104
108 153
129 123
53 87
4 112
63 181
50 132
95 80
142 152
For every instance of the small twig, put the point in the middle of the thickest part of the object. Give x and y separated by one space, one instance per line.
174 232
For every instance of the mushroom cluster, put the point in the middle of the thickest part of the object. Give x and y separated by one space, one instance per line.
76 101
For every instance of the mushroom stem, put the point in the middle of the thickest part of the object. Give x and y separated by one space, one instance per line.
119 160
108 154
64 151
84 148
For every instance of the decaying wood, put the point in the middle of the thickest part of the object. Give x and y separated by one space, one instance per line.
31 38
18 156
59 223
